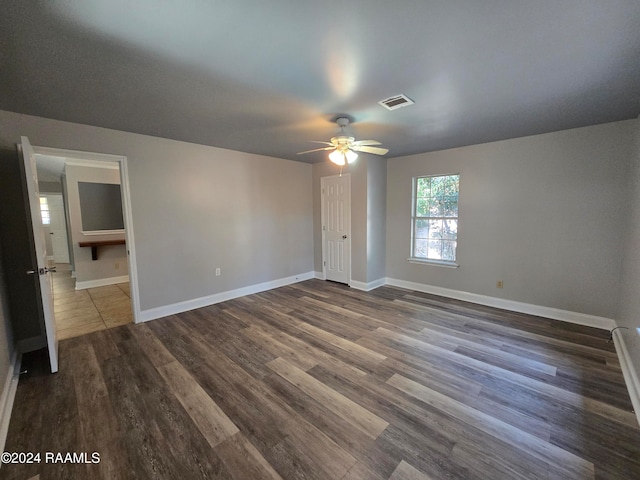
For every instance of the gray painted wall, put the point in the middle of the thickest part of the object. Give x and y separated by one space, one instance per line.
195 208
377 217
545 214
249 215
85 268
358 172
629 313
6 341
50 187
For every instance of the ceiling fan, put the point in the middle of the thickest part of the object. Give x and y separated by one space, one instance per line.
345 148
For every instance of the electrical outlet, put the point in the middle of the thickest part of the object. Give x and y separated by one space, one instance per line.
218 272
499 284
117 266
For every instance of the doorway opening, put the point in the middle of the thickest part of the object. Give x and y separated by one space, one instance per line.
92 290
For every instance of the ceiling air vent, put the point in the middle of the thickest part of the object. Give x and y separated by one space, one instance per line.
393 103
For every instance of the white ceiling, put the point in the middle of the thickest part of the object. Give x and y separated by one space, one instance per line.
50 168
266 77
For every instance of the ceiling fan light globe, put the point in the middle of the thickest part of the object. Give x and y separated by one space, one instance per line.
337 157
351 156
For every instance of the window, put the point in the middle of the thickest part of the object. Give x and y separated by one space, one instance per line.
435 219
44 211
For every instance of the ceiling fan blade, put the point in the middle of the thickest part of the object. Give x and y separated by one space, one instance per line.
374 150
316 150
366 142
317 141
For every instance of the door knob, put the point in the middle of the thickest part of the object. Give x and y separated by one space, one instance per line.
41 271
344 236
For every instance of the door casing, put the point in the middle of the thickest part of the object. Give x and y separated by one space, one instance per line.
126 207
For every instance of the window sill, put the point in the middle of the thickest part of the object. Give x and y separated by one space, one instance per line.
436 263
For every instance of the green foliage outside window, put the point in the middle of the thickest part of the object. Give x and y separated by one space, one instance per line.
435 219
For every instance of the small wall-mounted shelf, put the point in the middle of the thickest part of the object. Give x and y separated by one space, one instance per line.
94 246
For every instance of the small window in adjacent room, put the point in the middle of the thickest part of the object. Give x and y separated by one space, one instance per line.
435 219
44 211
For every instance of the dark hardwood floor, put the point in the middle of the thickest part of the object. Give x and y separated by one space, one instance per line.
319 381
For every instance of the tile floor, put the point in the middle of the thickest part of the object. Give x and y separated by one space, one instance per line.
79 312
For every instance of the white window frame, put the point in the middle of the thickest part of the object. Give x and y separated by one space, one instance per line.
414 217
45 213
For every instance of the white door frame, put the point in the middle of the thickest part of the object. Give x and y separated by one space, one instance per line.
126 207
322 220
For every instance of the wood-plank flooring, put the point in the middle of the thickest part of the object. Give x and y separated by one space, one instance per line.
319 381
78 312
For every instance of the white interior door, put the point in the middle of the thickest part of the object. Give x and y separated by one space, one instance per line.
58 228
336 226
40 270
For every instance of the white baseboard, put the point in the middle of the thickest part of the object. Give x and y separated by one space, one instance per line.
159 312
541 311
367 287
629 371
101 282
10 386
318 275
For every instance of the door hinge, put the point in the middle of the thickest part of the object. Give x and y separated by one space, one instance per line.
324 264
323 191
324 228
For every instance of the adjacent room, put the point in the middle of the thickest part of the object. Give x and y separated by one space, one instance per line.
353 240
80 202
